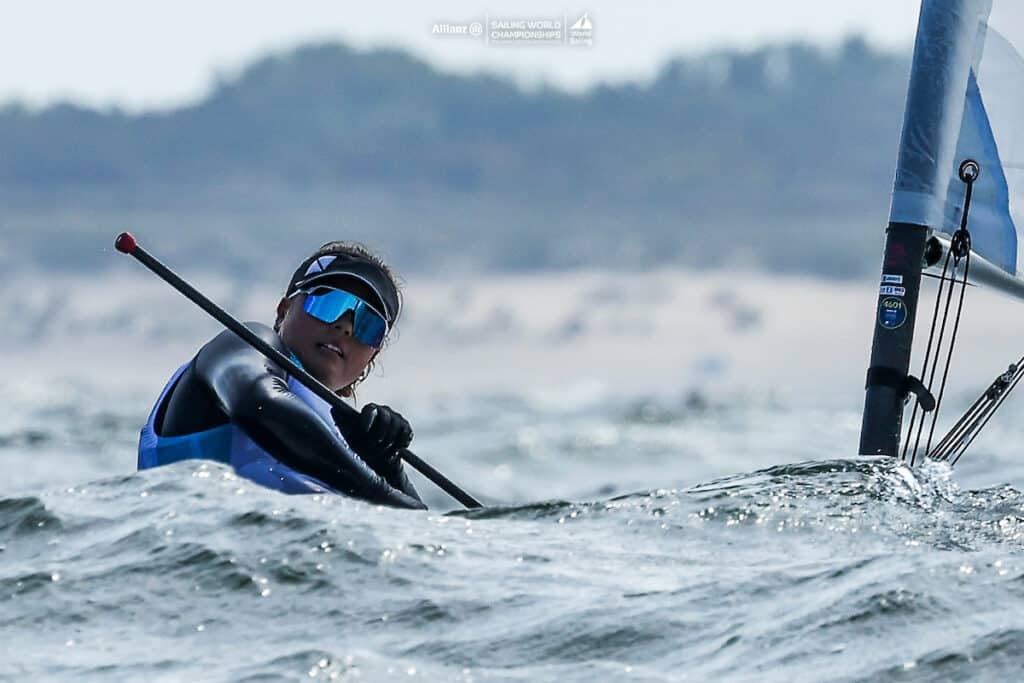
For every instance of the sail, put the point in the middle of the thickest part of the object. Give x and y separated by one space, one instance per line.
966 102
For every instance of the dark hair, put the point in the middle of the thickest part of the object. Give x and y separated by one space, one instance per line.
363 253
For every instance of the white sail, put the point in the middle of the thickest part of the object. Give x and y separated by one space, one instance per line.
969 105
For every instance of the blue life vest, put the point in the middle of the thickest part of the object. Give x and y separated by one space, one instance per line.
228 444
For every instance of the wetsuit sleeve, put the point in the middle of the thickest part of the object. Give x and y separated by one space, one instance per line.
253 391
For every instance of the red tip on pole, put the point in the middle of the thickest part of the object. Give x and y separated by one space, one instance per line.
125 243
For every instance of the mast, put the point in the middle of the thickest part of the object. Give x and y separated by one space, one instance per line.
946 34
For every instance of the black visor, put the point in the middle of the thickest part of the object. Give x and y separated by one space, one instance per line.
331 268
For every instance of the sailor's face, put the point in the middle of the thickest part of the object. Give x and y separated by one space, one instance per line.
328 351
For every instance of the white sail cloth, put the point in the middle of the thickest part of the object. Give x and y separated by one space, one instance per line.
966 101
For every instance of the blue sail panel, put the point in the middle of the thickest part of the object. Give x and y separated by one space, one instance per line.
993 233
966 101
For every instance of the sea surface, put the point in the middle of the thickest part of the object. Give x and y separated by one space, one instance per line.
672 493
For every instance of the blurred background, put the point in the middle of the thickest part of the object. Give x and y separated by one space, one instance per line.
669 207
236 138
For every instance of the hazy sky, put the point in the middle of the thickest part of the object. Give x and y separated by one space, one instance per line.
145 55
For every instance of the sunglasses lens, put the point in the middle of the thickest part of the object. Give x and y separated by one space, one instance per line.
329 305
369 328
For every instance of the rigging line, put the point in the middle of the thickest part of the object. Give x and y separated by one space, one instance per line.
975 424
960 246
961 428
999 402
935 360
988 415
965 439
924 367
952 342
970 420
942 277
967 423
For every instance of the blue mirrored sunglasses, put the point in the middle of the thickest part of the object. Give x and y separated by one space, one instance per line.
328 305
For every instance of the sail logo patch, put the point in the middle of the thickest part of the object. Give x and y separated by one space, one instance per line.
889 290
892 313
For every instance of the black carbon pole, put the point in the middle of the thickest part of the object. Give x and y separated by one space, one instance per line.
893 339
939 73
127 244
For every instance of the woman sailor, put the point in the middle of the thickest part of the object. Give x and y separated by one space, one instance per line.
233 405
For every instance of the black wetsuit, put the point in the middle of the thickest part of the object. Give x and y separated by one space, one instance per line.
229 381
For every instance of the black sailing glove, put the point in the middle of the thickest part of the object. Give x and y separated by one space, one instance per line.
377 433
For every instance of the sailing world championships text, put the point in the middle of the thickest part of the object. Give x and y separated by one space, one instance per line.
534 30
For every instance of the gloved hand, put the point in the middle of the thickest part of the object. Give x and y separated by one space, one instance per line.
377 433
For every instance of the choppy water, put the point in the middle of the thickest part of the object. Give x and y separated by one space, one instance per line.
629 536
580 570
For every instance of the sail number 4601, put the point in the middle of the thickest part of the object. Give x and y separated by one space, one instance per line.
892 312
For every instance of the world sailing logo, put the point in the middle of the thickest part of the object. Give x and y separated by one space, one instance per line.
582 32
